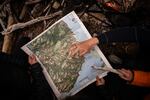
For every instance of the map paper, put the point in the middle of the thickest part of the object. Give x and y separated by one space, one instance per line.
66 75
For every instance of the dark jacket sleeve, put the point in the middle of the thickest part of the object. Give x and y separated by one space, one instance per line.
40 87
126 34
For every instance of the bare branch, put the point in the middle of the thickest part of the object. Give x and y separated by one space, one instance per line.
46 15
47 7
4 3
62 3
24 9
32 2
22 25
2 24
8 39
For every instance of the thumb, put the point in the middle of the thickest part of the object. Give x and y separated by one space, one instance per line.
99 81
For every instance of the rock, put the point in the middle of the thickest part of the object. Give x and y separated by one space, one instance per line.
56 5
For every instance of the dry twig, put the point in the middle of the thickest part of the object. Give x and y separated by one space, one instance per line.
32 2
23 12
46 15
4 3
22 25
2 24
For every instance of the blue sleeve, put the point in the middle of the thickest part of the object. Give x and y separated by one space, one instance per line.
138 35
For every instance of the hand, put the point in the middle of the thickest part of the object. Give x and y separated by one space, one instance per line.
83 47
99 81
126 74
32 60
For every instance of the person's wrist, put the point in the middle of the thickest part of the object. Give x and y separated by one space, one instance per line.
132 77
96 40
93 41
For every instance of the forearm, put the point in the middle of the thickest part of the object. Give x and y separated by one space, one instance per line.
141 79
126 34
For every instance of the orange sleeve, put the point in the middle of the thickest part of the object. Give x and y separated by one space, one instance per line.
141 78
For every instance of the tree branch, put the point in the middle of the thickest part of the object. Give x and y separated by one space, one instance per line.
32 2
4 3
2 24
22 25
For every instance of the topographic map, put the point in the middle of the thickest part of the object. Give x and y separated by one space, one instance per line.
66 75
51 49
